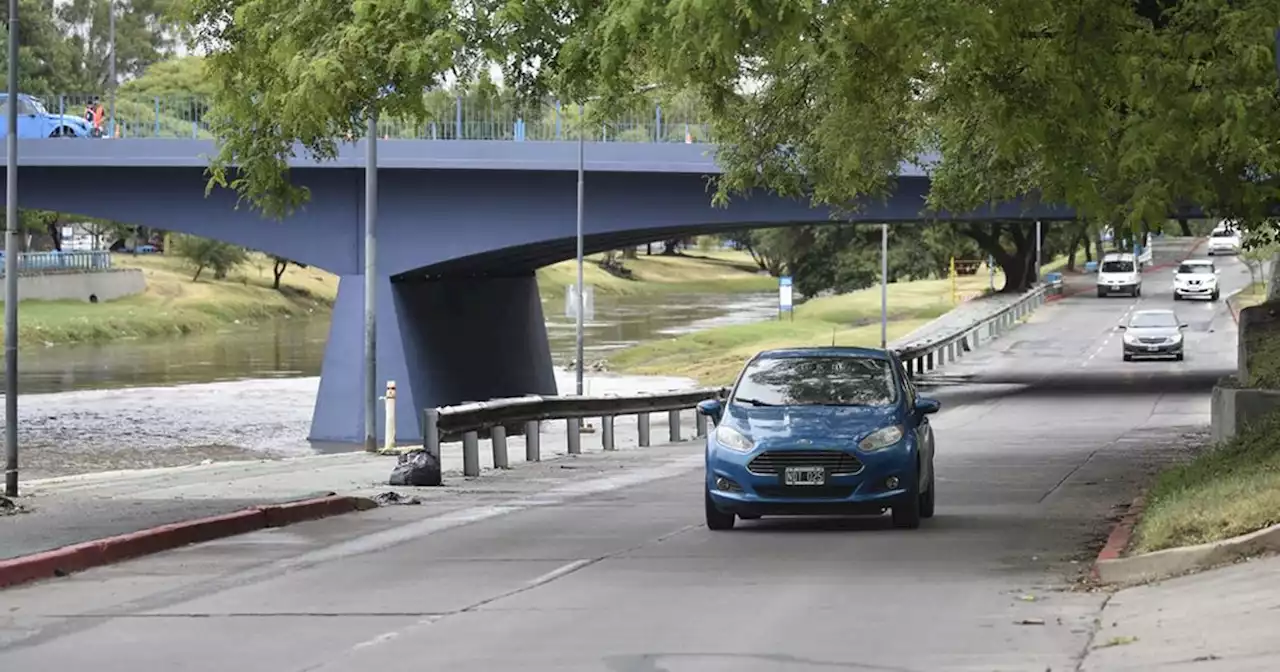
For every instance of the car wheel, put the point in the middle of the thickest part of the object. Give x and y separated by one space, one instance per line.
1137 291
927 499
1177 357
1128 357
717 519
1101 294
906 515
1215 295
1177 296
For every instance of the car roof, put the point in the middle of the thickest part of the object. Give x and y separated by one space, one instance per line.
1118 256
824 351
1153 311
1197 262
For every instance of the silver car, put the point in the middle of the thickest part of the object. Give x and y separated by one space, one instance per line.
1153 334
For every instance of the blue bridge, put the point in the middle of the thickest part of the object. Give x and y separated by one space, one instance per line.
462 226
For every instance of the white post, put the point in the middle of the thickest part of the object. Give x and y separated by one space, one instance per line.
390 443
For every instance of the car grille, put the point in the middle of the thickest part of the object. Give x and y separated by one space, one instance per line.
1151 341
805 492
836 462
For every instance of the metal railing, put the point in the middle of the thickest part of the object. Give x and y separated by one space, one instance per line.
78 261
504 417
447 118
932 353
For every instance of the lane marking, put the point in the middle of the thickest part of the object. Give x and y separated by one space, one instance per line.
560 571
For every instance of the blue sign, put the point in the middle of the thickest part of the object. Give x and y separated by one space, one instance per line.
784 293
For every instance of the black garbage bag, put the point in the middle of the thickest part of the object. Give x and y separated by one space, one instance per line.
416 468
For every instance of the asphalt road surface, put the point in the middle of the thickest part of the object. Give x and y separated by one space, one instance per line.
613 571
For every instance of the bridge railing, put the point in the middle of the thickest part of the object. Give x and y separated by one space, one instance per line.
930 354
502 417
448 118
75 261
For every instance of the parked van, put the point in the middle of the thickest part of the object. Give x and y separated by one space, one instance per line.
1119 273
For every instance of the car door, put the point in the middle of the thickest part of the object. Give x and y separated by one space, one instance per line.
30 124
921 426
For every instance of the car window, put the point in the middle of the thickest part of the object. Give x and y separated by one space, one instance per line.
1222 233
25 107
908 386
1117 266
817 381
1161 319
1196 268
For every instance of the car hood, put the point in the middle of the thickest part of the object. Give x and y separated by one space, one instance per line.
1204 278
1153 332
780 424
70 120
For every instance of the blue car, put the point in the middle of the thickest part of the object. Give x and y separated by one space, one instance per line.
820 431
34 121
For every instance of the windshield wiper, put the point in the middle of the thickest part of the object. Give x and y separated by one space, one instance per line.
752 402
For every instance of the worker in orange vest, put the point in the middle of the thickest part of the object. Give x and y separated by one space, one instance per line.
95 114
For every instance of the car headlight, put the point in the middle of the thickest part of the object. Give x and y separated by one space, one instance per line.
1130 339
733 439
881 438
1176 338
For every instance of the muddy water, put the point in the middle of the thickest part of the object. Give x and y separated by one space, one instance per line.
249 392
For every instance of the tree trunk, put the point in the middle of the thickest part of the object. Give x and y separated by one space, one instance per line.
278 270
1184 226
196 277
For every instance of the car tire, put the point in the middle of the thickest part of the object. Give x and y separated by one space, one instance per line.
1137 291
1101 294
716 519
1177 296
928 499
1128 357
906 514
1177 357
1215 295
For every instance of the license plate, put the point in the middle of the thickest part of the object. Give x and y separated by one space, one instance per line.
1152 348
804 476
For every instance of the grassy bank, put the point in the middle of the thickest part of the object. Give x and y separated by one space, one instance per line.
694 271
714 356
174 305
1230 490
1262 340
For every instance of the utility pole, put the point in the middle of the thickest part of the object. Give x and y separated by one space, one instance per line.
582 131
884 285
11 266
370 286
111 28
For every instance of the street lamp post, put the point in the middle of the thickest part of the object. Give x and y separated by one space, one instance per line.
884 285
582 131
11 266
111 40
370 286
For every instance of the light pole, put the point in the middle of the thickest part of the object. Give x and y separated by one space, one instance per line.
370 286
884 285
581 324
11 265
111 41
1038 253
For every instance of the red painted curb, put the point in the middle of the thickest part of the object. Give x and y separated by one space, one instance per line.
89 554
1122 533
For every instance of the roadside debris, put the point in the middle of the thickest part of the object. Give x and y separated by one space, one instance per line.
416 468
8 507
390 497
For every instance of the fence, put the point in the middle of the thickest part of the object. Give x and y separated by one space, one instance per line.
447 118
524 415
34 263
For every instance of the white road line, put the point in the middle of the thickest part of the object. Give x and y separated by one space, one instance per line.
559 572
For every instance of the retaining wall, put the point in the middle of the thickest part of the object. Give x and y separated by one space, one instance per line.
91 286
1234 408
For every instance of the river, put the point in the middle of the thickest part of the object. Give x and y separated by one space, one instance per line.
248 391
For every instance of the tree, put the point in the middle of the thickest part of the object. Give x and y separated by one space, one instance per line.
145 34
181 76
279 266
205 253
47 62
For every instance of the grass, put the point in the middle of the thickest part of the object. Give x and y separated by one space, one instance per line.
1228 491
715 356
174 305
694 271
1262 340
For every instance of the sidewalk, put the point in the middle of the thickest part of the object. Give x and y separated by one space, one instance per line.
958 318
1222 619
74 509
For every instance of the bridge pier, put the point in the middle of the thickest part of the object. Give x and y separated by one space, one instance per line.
443 341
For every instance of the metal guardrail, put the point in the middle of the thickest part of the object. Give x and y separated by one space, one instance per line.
35 263
502 418
932 353
525 415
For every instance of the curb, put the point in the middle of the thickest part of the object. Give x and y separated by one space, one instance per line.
1120 535
1176 561
89 554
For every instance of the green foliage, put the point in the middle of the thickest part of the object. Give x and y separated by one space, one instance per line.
205 253
180 76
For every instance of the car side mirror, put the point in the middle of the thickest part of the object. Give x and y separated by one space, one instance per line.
712 408
928 406
1182 326
1121 327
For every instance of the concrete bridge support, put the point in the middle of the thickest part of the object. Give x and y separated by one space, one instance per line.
443 341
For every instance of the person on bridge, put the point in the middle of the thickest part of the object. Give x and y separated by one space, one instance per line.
96 115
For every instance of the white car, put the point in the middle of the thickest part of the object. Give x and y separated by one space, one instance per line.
1119 273
1224 241
1196 278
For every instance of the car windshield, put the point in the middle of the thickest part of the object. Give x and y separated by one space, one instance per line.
1224 233
1195 269
1117 267
817 381
1153 319
38 107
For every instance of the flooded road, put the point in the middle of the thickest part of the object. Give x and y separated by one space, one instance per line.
249 392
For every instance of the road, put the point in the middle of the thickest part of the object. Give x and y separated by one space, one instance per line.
612 570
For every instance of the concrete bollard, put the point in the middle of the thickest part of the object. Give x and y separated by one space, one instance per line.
642 429
673 429
606 433
700 423
390 414
573 434
533 441
928 361
498 436
431 432
471 454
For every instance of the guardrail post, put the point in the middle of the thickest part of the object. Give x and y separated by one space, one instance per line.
498 435
533 441
606 432
573 434
673 422
642 428
700 423
471 454
928 361
431 432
